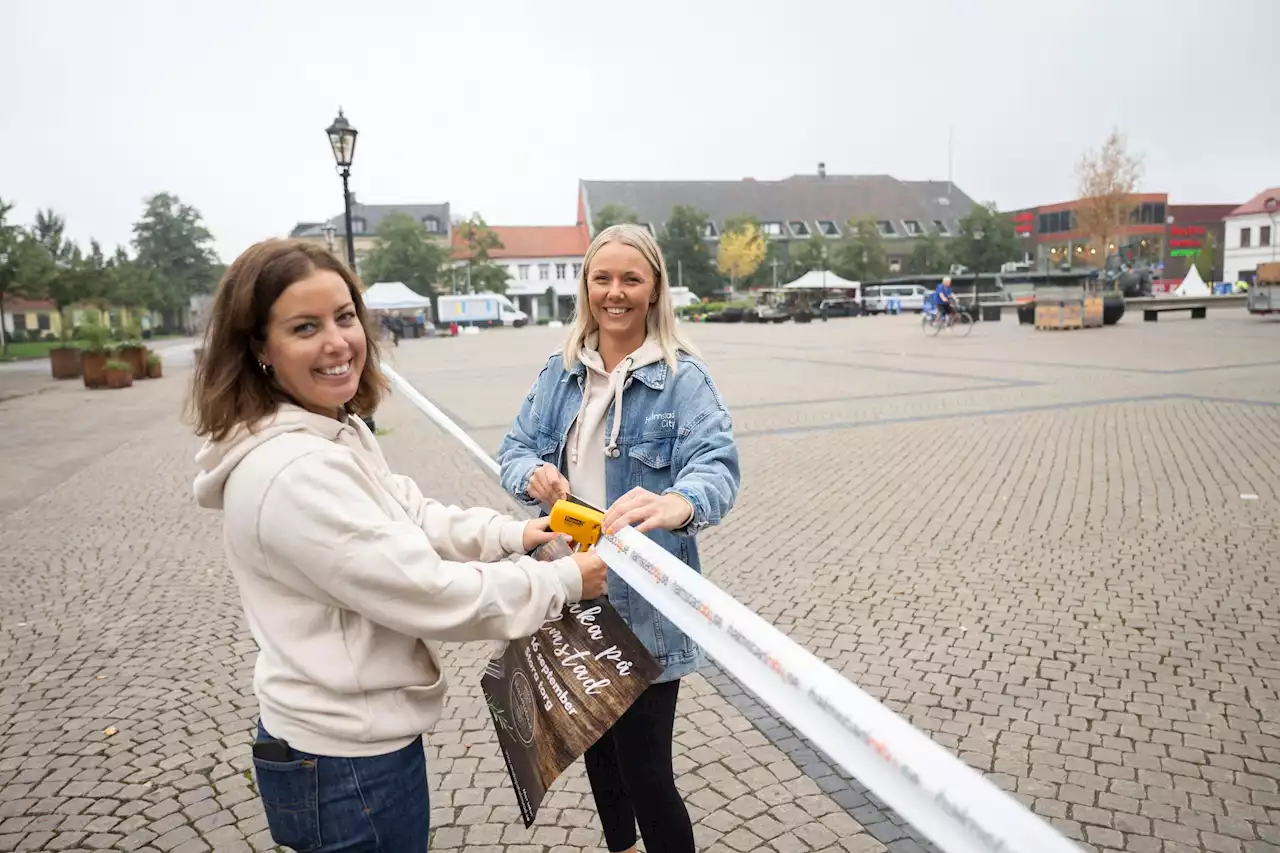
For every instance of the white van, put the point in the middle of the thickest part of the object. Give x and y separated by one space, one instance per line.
911 297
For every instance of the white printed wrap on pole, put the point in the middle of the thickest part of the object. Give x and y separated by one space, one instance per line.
944 798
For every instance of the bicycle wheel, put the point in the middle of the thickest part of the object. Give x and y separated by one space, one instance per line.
930 325
963 324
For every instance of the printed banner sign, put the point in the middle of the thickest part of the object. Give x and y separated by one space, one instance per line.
554 694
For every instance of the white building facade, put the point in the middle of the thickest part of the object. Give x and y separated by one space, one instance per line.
538 258
1252 236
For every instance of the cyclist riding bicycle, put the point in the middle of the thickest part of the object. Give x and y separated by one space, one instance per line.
945 299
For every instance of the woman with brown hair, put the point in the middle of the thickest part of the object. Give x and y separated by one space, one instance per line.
346 570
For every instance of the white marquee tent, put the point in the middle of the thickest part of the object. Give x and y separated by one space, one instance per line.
1192 285
820 280
393 296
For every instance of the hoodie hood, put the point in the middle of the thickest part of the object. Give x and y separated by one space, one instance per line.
601 388
217 459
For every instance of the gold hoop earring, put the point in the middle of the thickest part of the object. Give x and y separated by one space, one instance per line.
267 370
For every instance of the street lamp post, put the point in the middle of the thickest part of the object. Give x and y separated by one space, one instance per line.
342 138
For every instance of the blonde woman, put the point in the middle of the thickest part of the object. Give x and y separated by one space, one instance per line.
626 417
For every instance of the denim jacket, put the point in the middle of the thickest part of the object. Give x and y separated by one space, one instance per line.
676 436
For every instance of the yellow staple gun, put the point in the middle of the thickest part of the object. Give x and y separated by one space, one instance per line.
578 520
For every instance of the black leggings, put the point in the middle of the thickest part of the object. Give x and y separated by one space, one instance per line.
633 781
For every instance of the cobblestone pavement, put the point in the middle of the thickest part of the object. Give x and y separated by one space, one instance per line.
1036 546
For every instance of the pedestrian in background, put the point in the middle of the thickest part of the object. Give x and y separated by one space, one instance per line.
346 571
628 418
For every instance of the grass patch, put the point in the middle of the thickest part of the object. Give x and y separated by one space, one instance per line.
30 349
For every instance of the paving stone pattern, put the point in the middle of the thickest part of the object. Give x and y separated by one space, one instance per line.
1032 545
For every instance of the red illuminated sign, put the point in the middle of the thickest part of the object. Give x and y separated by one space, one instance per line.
1187 231
1025 216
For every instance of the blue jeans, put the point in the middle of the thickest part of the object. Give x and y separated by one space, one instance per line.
319 804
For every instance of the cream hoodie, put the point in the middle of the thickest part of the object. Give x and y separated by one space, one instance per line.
587 445
346 572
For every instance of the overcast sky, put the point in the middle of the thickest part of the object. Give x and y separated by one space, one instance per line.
501 106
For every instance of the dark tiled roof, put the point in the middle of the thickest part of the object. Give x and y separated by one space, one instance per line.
803 197
372 214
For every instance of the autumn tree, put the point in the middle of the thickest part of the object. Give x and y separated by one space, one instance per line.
741 252
1108 179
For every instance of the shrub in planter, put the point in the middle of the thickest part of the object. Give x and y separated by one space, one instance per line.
118 374
133 353
95 350
64 361
155 367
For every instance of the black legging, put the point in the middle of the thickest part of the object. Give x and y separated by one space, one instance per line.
633 781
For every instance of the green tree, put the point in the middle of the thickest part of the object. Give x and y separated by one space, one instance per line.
132 285
99 281
807 255
931 255
742 250
685 250
987 240
860 255
63 282
551 302
20 266
403 251
478 240
612 214
176 249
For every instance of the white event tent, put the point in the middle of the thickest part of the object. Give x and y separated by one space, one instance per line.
824 280
393 296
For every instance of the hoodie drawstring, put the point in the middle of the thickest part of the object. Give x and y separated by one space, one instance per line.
582 410
619 380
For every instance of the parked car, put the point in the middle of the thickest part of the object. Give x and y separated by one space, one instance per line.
727 315
911 297
840 307
768 314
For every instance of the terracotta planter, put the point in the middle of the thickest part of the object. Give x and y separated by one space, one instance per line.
119 378
94 365
65 362
136 358
155 371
